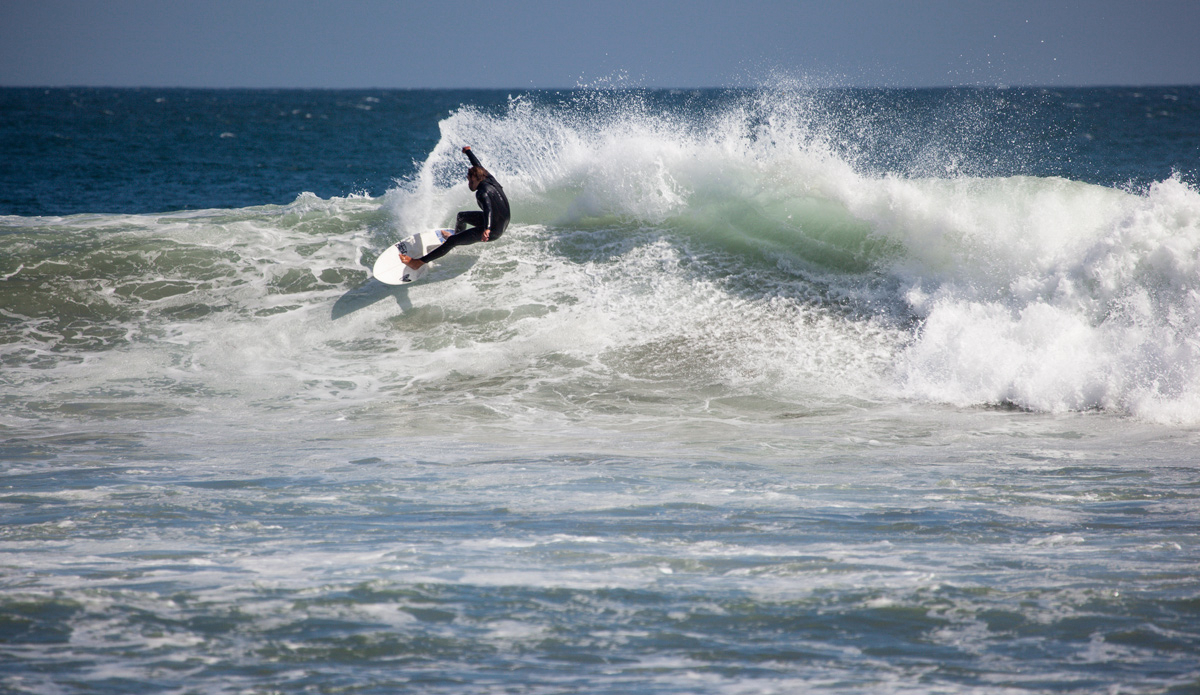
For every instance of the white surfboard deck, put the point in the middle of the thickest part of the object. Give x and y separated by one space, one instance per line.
391 270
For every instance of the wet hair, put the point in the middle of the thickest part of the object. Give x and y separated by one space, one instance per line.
477 173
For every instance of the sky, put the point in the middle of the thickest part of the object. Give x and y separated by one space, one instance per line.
555 44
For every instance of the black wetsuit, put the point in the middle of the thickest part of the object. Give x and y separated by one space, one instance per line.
493 215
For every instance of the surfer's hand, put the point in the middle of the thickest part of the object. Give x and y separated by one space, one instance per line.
467 148
487 235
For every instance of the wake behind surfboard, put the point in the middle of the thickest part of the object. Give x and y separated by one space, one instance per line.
391 270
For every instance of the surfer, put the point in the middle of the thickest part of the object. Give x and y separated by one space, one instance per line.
485 224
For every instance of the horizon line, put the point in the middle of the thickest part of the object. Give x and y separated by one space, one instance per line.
577 88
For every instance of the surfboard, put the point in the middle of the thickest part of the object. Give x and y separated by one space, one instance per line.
391 270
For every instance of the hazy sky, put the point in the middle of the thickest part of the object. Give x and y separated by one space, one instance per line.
562 43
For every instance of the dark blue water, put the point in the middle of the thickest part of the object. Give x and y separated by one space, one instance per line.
72 151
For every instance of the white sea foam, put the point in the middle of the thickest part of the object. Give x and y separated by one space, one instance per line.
1079 298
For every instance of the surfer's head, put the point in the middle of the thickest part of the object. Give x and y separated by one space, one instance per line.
475 176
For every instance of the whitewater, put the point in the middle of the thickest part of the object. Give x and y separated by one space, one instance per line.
762 391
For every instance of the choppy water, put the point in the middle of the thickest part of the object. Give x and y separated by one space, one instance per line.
764 391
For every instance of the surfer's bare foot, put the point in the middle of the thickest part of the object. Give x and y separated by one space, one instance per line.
411 262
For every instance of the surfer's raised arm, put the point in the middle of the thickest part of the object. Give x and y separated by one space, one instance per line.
471 156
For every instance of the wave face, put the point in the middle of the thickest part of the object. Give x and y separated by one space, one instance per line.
963 288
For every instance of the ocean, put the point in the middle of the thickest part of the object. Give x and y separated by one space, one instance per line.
773 390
